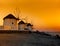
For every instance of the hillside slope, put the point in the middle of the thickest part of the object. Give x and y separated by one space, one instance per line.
26 39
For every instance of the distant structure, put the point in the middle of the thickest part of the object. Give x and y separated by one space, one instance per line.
29 26
10 22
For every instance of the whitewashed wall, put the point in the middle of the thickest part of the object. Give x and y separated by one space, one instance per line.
21 27
10 24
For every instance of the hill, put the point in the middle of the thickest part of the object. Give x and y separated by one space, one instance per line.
28 39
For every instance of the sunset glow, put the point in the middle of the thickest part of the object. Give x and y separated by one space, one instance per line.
43 14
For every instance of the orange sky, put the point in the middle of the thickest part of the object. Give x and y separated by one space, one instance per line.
45 14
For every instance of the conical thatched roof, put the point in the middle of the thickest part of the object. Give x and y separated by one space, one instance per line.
10 16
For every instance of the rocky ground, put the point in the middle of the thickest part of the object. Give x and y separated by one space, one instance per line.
28 39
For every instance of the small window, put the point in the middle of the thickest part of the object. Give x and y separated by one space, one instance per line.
12 23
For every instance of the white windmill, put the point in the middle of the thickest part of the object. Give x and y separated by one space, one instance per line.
22 24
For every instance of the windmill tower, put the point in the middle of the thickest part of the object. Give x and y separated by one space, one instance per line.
10 22
21 24
29 26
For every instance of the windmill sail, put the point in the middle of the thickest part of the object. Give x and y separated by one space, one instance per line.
17 12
